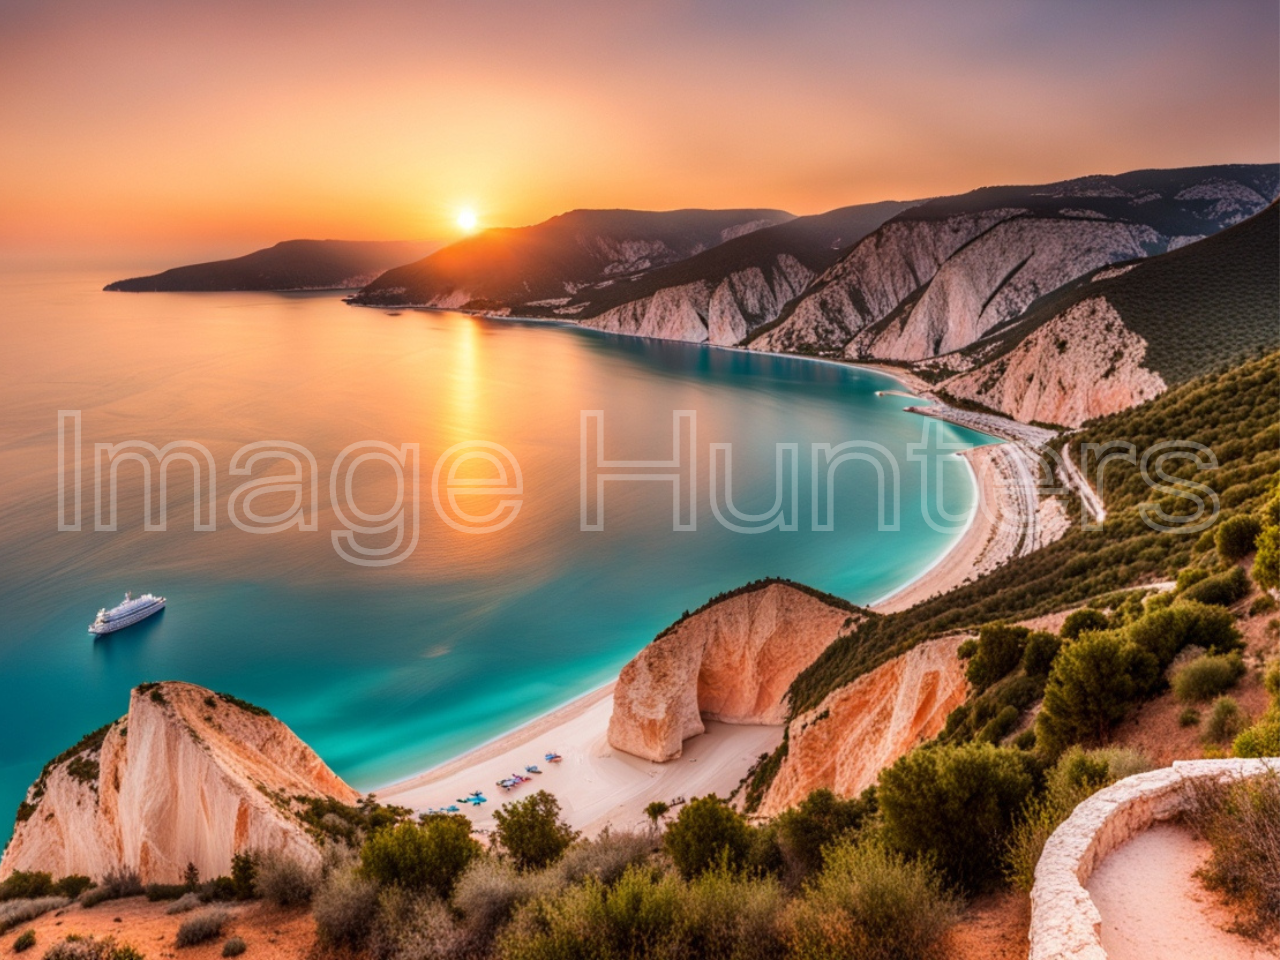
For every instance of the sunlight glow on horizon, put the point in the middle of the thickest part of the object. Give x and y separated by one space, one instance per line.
467 220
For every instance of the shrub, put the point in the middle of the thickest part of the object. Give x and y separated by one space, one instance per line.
1263 604
707 833
1188 576
1260 740
818 820
91 948
14 912
1206 677
72 886
999 726
1225 721
427 856
114 886
26 940
1235 537
605 858
1082 620
1041 648
203 927
344 907
1190 717
929 792
1241 821
1164 633
24 885
1266 565
1077 774
243 873
1000 649
870 903
166 891
1093 681
415 926
531 832
284 880
490 891
1221 589
726 916
233 947
185 904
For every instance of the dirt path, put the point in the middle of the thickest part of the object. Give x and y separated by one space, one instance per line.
1153 908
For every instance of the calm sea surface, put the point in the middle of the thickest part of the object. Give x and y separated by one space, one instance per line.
385 671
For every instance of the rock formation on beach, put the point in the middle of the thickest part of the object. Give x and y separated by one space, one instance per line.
187 776
732 661
859 729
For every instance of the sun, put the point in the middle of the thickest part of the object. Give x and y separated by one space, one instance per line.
467 220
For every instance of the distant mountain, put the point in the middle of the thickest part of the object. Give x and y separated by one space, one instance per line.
1123 334
943 274
526 269
290 265
724 294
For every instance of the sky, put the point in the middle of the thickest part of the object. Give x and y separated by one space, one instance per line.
173 129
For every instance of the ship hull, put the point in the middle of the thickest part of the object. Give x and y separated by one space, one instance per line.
128 620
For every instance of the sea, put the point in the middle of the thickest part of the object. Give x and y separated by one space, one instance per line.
414 530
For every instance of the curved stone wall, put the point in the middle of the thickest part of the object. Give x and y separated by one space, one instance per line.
1065 924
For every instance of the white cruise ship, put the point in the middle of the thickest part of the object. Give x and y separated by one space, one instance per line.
131 611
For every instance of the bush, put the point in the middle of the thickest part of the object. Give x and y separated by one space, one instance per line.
1260 740
1263 604
91 948
1241 821
1266 565
233 947
1206 677
1077 774
1235 537
1083 620
1037 657
24 885
14 912
1164 633
203 927
531 832
1225 721
870 903
726 916
284 880
116 885
1190 717
72 886
243 873
1190 575
26 940
490 891
818 820
415 926
166 891
427 856
1090 688
605 858
1221 589
999 651
706 834
185 904
344 907
928 793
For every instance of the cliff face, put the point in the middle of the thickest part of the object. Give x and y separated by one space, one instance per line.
731 662
699 312
1082 364
187 776
859 729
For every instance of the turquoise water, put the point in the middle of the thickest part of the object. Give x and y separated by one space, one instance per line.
386 671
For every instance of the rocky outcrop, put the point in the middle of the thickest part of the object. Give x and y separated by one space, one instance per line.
863 727
1082 364
699 312
187 776
732 661
1064 920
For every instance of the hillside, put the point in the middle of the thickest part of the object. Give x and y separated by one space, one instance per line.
289 265
545 265
1121 335
721 295
943 274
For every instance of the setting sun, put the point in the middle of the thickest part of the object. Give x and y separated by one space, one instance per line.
467 220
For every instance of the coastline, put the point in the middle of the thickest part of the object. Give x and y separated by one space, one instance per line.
598 787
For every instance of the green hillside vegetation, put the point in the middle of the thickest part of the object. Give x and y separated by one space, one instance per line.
1213 301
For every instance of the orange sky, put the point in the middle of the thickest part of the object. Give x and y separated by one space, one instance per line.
178 129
